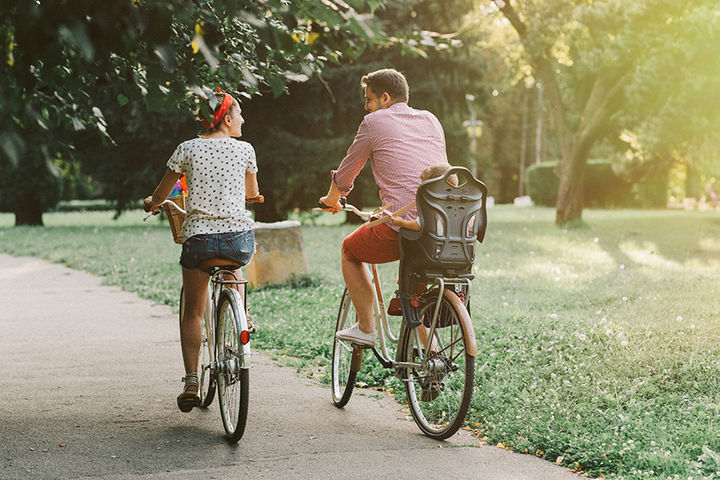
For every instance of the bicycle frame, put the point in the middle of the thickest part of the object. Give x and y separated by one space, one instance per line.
385 334
382 327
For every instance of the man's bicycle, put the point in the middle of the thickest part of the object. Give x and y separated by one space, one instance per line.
224 360
435 342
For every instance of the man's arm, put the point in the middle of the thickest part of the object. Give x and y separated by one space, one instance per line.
344 177
332 199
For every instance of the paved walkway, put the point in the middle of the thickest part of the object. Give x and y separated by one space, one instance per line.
90 379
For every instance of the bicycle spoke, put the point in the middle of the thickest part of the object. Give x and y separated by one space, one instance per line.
439 388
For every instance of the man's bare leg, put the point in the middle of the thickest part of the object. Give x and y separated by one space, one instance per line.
359 285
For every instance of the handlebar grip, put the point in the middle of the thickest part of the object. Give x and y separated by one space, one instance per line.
322 206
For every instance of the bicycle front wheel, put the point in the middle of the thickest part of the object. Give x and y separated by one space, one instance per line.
206 376
343 375
232 363
439 386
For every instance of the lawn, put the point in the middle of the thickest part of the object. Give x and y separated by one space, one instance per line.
599 346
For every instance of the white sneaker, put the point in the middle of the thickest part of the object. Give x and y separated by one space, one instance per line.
355 335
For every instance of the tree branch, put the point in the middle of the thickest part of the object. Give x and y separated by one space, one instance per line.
544 70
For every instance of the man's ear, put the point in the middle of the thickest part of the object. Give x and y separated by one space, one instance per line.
385 99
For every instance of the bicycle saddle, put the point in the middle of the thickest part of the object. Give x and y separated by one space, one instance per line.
219 263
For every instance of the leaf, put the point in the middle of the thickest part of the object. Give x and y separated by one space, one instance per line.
77 124
122 100
12 145
296 77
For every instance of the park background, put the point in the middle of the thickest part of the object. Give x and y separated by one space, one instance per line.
598 328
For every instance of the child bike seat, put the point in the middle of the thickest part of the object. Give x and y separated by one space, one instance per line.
451 219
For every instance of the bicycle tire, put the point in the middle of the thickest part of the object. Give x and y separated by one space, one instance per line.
232 370
439 391
206 374
343 376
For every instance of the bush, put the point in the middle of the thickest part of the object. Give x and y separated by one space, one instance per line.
603 188
541 183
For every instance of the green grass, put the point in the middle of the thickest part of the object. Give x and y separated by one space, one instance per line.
598 344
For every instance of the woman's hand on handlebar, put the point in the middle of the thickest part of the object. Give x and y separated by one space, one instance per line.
256 199
148 204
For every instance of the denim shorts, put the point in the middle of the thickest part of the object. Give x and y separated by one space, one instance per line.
236 246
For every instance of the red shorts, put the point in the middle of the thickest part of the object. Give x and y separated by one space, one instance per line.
377 244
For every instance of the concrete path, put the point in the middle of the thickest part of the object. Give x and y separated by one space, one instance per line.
90 379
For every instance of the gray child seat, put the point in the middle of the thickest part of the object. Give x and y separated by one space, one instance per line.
451 220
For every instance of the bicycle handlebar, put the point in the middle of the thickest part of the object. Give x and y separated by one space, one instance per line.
346 207
165 202
257 199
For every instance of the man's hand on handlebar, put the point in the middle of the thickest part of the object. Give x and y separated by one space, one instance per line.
325 204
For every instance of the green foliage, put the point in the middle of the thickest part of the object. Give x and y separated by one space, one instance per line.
541 183
609 68
602 188
32 188
62 61
299 138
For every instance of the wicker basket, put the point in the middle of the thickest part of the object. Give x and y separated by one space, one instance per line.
176 218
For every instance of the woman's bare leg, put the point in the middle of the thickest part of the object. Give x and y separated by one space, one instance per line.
195 283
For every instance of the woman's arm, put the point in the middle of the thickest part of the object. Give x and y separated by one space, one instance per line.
251 185
162 190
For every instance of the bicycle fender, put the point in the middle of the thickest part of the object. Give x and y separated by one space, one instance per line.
465 321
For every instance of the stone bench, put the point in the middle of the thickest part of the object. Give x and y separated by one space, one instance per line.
279 253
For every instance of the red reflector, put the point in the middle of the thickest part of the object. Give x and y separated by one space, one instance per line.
414 303
244 337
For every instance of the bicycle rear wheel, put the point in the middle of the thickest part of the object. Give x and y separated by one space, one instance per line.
439 388
343 375
206 376
232 363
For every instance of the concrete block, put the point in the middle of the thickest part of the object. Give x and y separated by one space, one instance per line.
279 253
525 201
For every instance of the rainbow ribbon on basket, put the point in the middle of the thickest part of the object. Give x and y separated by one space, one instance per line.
180 187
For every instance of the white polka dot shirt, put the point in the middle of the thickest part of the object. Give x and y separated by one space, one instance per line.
215 170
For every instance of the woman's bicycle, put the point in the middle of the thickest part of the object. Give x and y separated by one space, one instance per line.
435 343
224 360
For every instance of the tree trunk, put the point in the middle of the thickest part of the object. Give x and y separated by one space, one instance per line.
692 183
28 211
571 195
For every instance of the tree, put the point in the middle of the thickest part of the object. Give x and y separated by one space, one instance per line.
300 137
589 57
61 58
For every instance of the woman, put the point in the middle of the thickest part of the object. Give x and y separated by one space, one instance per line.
221 173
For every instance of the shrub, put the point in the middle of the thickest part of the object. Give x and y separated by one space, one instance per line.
603 188
541 183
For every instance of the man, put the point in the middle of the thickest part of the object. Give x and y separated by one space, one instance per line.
400 143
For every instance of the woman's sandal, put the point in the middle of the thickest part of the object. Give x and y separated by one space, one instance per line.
189 397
